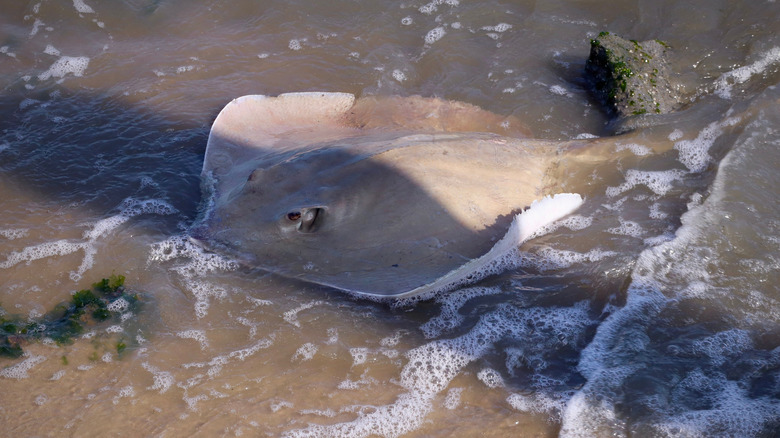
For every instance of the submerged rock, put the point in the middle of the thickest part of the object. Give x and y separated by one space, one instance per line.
631 78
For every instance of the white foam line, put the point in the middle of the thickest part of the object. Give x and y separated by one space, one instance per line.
200 263
82 7
130 207
19 370
431 367
75 65
694 154
291 316
197 335
740 75
37 252
215 364
607 361
450 318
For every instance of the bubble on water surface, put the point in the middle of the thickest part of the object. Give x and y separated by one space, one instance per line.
163 380
574 222
50 50
391 341
432 366
398 75
452 400
694 154
4 50
637 149
115 329
197 335
547 259
500 27
449 318
434 35
199 264
725 83
560 91
14 233
675 135
130 207
19 370
659 181
277 406
75 65
124 392
82 7
352 385
491 378
359 355
291 316
627 228
305 352
36 27
656 213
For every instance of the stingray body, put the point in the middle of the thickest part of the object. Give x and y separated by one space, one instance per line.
382 197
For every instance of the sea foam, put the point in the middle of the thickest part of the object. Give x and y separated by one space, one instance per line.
82 7
708 380
130 207
434 35
198 264
20 370
725 83
694 154
431 367
75 65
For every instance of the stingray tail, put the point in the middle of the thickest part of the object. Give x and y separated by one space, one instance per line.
543 212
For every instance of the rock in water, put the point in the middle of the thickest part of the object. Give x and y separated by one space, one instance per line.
631 78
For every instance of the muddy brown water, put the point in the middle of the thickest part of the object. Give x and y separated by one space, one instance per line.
652 311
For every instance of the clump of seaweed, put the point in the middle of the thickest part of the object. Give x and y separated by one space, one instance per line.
87 308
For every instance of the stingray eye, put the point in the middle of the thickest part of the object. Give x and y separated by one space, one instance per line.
294 216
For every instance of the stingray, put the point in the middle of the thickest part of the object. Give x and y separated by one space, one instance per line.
382 197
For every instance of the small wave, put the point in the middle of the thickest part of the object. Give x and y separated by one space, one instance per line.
432 366
725 83
685 349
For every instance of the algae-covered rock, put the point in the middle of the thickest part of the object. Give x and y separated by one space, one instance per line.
631 78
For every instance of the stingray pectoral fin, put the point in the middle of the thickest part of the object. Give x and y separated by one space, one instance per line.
525 225
250 126
430 114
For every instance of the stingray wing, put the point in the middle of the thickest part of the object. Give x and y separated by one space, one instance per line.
259 131
528 224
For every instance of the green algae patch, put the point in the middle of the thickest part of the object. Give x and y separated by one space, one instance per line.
87 309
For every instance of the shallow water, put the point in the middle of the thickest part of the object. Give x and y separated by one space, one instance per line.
652 311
